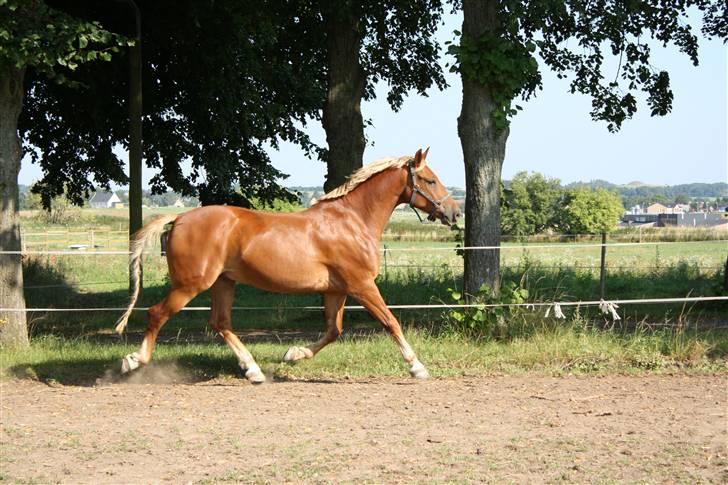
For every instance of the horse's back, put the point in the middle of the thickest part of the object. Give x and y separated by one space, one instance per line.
273 251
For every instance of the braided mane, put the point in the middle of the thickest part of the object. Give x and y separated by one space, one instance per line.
364 174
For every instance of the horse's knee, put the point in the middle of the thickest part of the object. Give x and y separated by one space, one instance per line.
219 325
334 332
155 315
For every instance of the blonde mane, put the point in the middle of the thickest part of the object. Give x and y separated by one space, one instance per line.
364 174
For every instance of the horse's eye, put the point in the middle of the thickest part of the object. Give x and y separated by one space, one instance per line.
431 182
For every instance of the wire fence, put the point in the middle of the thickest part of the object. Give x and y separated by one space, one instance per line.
607 306
84 250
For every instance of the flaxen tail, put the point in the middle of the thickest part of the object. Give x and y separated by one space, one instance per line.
150 232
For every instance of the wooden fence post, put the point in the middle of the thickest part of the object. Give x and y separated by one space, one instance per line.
602 267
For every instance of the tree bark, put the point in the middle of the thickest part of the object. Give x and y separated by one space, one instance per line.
342 117
483 152
13 326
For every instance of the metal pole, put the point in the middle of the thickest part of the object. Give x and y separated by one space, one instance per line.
602 267
135 129
385 263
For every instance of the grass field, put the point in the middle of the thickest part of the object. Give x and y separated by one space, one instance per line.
649 337
556 272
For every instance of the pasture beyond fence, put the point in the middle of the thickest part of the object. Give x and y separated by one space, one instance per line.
428 257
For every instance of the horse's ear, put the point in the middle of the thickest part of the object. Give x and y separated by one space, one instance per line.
424 155
419 159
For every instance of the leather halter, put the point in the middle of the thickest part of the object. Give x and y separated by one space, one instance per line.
436 204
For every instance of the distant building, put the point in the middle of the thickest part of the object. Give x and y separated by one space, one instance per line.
686 219
656 208
103 200
701 219
178 202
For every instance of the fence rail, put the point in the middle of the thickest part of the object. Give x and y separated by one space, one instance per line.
613 303
508 247
607 306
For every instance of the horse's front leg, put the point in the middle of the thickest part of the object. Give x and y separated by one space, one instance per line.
372 300
334 313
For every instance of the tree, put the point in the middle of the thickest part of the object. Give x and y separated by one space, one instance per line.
221 79
588 211
530 205
47 42
496 57
367 42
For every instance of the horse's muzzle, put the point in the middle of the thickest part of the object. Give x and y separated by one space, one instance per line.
448 215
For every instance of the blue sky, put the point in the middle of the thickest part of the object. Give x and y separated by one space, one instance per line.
554 134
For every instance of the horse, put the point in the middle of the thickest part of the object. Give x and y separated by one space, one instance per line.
332 248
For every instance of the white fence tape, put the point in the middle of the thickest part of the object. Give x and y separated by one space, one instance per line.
601 303
83 252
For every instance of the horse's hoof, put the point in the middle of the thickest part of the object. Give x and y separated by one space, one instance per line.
255 376
297 353
418 371
129 363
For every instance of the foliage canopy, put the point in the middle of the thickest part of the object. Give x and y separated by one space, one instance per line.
531 204
221 81
588 211
573 38
50 41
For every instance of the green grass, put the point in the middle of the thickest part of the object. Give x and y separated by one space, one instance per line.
572 348
555 273
78 347
110 227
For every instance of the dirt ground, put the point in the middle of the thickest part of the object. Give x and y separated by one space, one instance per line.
503 429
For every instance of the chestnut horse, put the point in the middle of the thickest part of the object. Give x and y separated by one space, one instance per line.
331 248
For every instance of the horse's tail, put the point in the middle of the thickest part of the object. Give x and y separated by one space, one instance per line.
147 233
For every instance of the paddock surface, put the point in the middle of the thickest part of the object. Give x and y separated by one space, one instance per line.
502 429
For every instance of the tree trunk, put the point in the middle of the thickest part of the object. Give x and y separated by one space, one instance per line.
342 117
483 152
13 327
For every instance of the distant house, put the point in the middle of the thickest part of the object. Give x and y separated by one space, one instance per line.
178 202
657 208
104 200
680 208
683 219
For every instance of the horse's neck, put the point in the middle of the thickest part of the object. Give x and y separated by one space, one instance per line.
375 199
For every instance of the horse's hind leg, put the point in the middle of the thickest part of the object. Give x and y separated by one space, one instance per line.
372 300
157 317
223 295
334 311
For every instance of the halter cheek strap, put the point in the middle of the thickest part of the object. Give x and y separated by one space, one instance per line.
436 204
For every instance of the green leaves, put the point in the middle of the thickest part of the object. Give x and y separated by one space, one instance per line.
531 204
588 211
487 321
572 38
45 39
222 81
504 64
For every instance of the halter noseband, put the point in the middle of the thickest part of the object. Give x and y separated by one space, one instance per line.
436 204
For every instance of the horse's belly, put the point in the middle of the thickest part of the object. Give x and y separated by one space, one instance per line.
282 276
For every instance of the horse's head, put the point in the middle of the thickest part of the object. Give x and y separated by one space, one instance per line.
424 191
